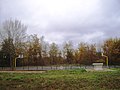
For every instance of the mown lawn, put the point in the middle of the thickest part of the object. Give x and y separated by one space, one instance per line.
77 79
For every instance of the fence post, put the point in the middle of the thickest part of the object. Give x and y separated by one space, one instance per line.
23 64
51 67
71 66
28 64
56 67
42 67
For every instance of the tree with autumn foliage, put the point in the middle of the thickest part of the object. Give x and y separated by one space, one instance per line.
53 53
34 50
85 53
111 48
68 52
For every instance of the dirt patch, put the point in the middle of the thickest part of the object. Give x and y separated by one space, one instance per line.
104 70
22 71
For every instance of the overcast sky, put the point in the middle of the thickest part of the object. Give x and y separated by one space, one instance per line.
66 20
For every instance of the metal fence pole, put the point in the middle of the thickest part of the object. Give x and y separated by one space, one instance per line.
51 67
23 64
28 64
42 67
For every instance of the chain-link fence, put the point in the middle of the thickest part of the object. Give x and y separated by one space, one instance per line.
60 67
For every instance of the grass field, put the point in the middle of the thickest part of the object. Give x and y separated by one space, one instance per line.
78 79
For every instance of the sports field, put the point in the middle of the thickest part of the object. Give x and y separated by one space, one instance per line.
77 79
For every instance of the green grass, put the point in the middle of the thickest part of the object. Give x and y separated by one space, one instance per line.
77 79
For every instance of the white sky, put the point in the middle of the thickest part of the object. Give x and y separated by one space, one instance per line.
63 20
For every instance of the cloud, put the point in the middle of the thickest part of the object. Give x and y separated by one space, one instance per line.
64 20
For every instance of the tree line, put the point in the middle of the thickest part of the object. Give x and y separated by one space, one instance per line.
36 51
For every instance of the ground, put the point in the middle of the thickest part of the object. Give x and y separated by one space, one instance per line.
77 79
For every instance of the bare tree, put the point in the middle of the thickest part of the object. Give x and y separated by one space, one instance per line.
13 33
13 29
